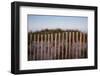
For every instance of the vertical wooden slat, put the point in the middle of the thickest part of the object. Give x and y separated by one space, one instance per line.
73 45
80 50
83 50
45 40
55 42
30 52
37 46
41 47
48 47
62 46
77 45
51 45
34 51
69 45
58 46
66 44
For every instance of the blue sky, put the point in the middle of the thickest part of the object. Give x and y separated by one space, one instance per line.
39 22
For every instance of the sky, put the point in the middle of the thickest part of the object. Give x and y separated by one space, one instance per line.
40 22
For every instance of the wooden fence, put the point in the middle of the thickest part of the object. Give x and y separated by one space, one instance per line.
60 45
